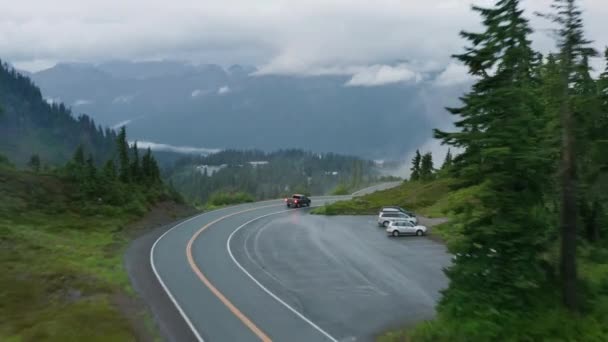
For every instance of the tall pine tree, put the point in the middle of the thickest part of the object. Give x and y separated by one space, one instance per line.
415 175
124 167
426 167
500 124
447 162
575 85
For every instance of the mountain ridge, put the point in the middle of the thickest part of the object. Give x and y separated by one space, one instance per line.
179 103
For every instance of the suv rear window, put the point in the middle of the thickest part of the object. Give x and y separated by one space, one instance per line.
297 197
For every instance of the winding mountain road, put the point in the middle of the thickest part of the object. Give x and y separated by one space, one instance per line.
260 272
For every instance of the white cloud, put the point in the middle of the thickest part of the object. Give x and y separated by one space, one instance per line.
376 75
223 90
51 100
122 123
179 149
81 102
198 92
282 36
123 99
454 74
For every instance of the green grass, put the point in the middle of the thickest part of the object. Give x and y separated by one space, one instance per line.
430 199
61 261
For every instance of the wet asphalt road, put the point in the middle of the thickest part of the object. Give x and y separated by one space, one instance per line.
344 273
292 276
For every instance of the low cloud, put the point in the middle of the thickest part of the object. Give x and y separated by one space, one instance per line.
454 74
223 90
377 75
122 123
178 149
123 99
51 100
198 92
81 102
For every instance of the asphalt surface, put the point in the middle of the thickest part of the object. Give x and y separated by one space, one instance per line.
259 271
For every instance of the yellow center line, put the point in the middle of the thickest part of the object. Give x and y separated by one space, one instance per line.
257 331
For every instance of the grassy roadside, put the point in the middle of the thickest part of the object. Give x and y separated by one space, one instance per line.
429 199
63 277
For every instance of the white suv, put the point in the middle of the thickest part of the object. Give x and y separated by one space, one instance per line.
387 216
397 228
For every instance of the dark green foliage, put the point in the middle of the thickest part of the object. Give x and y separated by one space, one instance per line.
109 171
533 168
34 163
223 198
108 185
78 157
28 124
426 167
122 148
149 168
447 162
577 107
136 174
286 172
415 175
499 266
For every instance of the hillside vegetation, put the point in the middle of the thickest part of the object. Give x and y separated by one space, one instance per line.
29 125
530 229
61 260
225 176
62 238
430 199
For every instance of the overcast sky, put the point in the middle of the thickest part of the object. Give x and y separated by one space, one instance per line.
361 38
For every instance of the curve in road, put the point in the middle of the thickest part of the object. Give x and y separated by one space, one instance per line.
225 294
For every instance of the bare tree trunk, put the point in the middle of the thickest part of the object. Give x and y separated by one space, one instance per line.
568 210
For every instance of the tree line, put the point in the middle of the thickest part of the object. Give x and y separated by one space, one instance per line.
30 124
286 172
115 178
533 131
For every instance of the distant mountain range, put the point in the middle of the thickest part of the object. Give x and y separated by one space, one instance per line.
209 106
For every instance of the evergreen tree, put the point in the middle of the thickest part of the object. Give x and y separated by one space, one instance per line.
124 167
91 170
415 175
109 171
34 163
78 157
135 164
574 54
426 167
448 160
500 130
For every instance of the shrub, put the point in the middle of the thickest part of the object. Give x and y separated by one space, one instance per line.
229 198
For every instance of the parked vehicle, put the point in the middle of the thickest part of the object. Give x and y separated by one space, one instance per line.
386 217
297 201
391 208
404 227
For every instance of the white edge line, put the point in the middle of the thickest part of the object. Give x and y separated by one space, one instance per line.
262 286
174 301
162 283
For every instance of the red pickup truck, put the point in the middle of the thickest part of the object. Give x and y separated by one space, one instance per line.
297 201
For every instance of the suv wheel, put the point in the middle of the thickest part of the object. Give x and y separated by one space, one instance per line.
386 223
395 233
419 233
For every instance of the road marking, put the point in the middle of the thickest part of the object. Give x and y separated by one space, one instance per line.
197 335
262 286
241 316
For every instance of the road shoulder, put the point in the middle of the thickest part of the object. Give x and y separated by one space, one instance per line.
150 295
